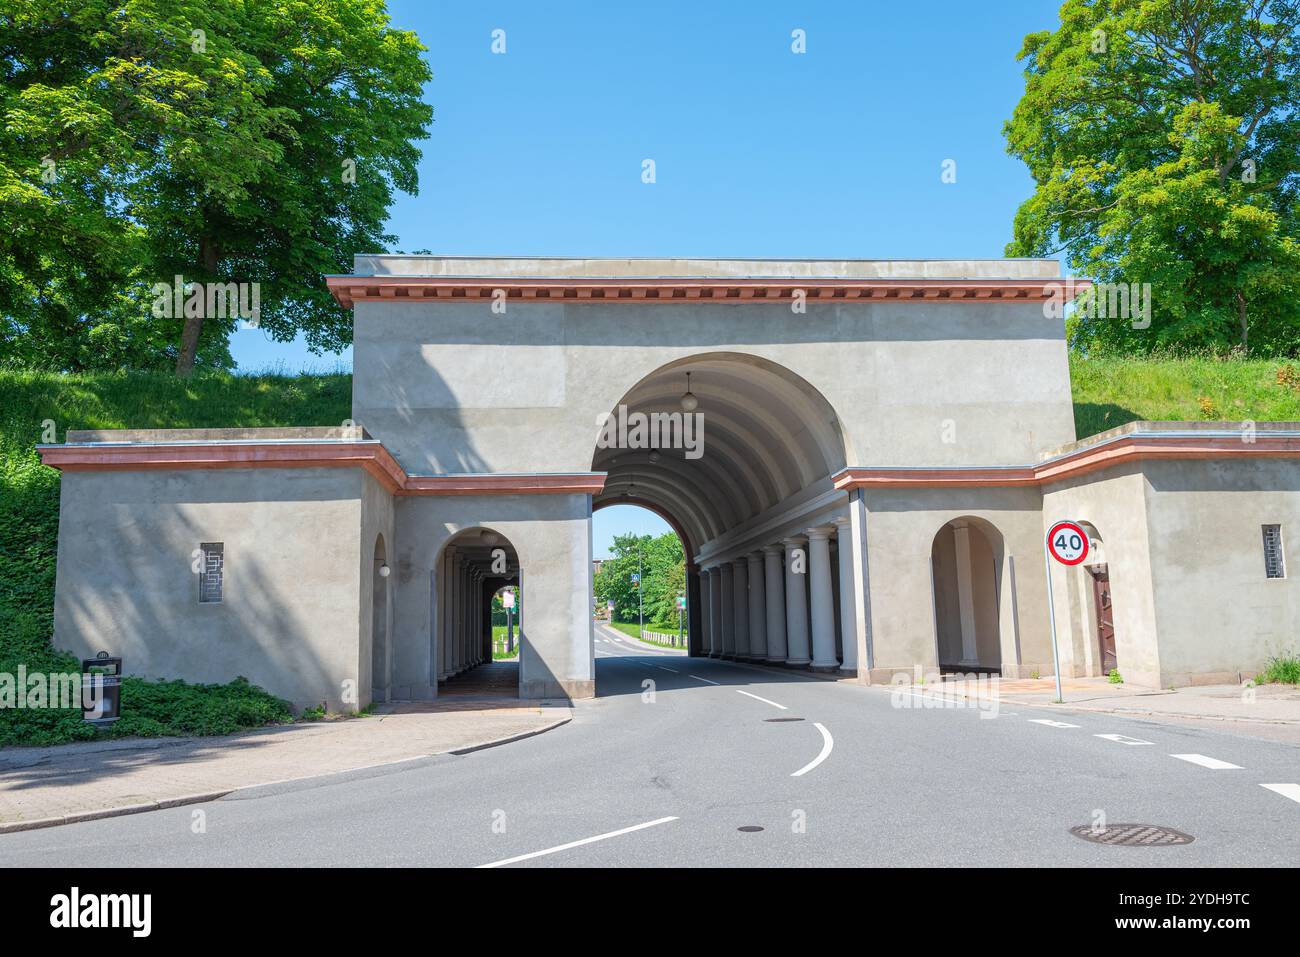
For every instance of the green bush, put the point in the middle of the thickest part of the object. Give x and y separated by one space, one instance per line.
1284 669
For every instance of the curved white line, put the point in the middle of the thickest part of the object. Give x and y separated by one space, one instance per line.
827 744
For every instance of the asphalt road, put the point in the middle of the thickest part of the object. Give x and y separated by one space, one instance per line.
665 774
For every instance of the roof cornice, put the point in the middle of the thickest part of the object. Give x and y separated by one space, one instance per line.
368 455
349 290
1121 450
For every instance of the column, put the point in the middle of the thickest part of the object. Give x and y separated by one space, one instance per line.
706 623
715 612
740 605
775 600
965 595
728 612
458 615
444 612
848 593
822 597
796 602
757 612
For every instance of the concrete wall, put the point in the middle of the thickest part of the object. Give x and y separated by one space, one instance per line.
289 618
900 529
1220 617
551 534
1114 502
451 387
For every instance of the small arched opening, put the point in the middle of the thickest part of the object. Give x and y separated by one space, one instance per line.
966 561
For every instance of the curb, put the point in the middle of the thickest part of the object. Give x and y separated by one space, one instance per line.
78 817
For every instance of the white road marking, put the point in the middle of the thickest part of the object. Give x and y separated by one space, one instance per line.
827 744
1051 724
764 700
1121 739
705 680
1291 791
662 668
585 840
1213 764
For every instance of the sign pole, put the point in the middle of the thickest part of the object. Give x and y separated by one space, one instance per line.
1067 542
1051 614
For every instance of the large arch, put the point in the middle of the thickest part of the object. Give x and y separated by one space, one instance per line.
767 435
769 439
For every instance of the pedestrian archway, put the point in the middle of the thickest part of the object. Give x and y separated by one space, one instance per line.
966 561
471 569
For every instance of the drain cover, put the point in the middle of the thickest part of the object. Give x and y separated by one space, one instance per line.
1132 835
778 720
750 828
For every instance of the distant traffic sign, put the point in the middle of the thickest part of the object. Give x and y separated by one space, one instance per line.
508 599
1067 542
681 601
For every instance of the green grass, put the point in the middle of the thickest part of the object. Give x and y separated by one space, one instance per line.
1284 669
29 521
633 629
1111 392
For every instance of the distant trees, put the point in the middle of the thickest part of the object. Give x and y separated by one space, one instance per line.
663 578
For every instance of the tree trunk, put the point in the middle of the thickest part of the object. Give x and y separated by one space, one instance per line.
193 327
1245 327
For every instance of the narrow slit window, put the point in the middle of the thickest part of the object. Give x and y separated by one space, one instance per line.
1274 566
212 574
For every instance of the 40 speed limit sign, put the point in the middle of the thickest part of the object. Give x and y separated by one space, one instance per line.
1067 542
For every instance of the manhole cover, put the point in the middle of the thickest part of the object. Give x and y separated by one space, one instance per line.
779 720
750 828
1131 835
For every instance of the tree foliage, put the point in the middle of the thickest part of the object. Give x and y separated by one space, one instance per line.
1164 140
663 577
218 140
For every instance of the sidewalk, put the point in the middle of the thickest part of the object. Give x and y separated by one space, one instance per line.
42 787
1277 705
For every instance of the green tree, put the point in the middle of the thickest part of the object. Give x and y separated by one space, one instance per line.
218 140
663 577
1164 140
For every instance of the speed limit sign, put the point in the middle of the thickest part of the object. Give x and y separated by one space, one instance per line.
1067 542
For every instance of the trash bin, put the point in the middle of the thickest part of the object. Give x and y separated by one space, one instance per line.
101 688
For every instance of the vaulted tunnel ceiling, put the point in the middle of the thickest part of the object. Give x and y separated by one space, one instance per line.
767 434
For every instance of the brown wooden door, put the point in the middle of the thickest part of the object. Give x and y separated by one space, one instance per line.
1105 617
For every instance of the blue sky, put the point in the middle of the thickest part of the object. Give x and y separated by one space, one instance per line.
758 151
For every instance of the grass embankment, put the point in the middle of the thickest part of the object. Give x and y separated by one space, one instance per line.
1111 392
632 629
31 402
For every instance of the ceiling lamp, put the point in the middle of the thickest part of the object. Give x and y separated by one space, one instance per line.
689 402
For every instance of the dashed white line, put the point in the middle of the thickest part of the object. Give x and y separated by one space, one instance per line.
1051 724
827 744
585 840
662 668
764 700
705 680
1291 791
1214 764
1121 739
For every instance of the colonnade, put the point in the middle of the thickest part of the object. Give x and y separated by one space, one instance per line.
778 603
464 615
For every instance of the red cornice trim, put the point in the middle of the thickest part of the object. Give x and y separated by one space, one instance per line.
1119 452
576 483
349 290
370 456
